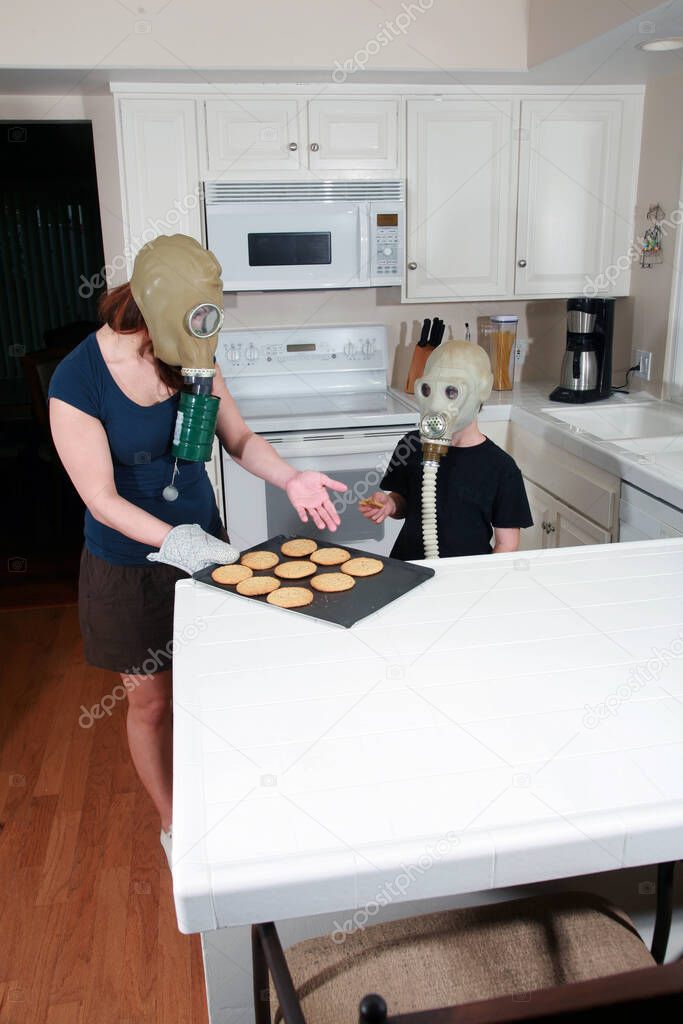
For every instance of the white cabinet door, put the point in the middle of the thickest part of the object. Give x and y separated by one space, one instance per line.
567 529
577 174
556 525
359 136
461 179
159 154
249 134
535 537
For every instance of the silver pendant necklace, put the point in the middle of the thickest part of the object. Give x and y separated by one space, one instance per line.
170 492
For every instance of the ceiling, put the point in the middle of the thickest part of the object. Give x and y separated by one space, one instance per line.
610 58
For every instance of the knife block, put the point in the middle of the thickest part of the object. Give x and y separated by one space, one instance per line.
417 365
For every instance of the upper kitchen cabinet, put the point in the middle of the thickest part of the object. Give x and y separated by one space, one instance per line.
358 137
271 137
249 134
577 179
461 197
159 153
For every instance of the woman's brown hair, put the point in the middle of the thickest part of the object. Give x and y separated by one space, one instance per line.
119 310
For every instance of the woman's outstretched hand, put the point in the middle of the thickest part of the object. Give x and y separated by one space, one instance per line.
307 492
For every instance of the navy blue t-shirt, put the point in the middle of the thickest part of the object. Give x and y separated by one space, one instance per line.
477 488
140 443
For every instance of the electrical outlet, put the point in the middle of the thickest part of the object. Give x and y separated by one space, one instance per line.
644 360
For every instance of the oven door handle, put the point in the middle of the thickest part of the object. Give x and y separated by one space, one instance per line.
313 448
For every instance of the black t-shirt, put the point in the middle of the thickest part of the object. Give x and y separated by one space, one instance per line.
477 488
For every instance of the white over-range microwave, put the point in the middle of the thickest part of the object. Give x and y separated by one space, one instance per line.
274 236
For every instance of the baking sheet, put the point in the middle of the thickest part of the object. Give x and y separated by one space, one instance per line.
348 607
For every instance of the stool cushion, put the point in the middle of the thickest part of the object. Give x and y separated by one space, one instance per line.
459 956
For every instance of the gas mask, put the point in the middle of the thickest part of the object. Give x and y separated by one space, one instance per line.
457 380
177 286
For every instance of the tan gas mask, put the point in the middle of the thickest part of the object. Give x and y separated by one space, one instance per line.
457 380
177 286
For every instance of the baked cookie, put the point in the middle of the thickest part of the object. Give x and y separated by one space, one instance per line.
330 556
331 582
231 574
295 570
260 559
362 566
257 585
290 597
299 547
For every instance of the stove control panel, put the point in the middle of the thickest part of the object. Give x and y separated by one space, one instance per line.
315 349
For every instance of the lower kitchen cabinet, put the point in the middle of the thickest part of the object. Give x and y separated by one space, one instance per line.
556 525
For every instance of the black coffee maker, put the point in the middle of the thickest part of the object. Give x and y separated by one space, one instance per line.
586 374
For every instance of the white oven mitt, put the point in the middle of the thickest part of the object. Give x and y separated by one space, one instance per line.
190 548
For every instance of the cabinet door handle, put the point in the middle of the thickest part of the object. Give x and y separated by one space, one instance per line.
412 265
314 147
293 146
521 263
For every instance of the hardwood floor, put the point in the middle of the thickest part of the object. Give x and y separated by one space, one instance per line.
86 915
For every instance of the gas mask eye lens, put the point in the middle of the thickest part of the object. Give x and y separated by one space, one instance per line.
451 392
205 320
425 390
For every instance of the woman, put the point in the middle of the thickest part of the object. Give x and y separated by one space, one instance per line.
113 406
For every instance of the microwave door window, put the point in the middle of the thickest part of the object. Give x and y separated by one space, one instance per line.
288 245
290 248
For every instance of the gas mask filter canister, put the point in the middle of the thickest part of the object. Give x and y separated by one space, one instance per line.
457 380
177 286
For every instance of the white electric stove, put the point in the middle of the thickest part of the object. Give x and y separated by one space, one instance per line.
320 396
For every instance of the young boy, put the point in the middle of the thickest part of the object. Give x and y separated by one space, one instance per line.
479 488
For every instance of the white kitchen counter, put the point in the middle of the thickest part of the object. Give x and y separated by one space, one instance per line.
516 718
659 473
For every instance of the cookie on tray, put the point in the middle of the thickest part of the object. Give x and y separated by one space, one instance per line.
362 566
256 586
294 570
291 597
231 574
260 559
299 547
332 582
330 556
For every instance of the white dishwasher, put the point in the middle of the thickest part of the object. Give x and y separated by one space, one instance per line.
644 517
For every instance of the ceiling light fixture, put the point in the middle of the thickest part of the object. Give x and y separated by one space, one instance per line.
662 45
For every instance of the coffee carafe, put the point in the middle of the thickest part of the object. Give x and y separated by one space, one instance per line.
586 373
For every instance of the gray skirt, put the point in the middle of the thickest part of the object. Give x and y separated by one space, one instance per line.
126 614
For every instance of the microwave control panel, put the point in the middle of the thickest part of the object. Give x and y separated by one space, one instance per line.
386 242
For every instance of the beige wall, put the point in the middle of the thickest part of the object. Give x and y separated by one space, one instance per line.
424 34
659 182
543 323
556 26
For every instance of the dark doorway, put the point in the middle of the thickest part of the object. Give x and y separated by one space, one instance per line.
50 249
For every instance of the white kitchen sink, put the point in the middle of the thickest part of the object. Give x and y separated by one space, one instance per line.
633 421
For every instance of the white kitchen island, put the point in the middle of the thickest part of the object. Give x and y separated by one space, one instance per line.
516 719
